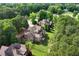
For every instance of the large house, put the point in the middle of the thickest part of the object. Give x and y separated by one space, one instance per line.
34 33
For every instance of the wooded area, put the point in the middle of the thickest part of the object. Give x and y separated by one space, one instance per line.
45 29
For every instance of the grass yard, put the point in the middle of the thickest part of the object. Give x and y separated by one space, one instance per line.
39 49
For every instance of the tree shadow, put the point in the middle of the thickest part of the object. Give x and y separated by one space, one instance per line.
45 42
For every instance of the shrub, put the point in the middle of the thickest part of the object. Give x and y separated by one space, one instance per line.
33 17
42 14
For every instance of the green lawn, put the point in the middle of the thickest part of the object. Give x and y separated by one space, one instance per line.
40 50
50 34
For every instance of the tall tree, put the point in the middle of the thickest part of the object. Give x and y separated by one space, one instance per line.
65 37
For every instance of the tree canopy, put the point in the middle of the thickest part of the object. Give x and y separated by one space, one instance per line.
65 37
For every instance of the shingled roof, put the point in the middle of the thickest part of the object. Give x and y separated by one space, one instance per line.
13 50
34 33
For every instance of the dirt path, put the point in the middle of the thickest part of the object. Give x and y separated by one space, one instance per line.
30 23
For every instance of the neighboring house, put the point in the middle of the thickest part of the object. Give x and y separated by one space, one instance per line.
34 33
2 50
14 50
